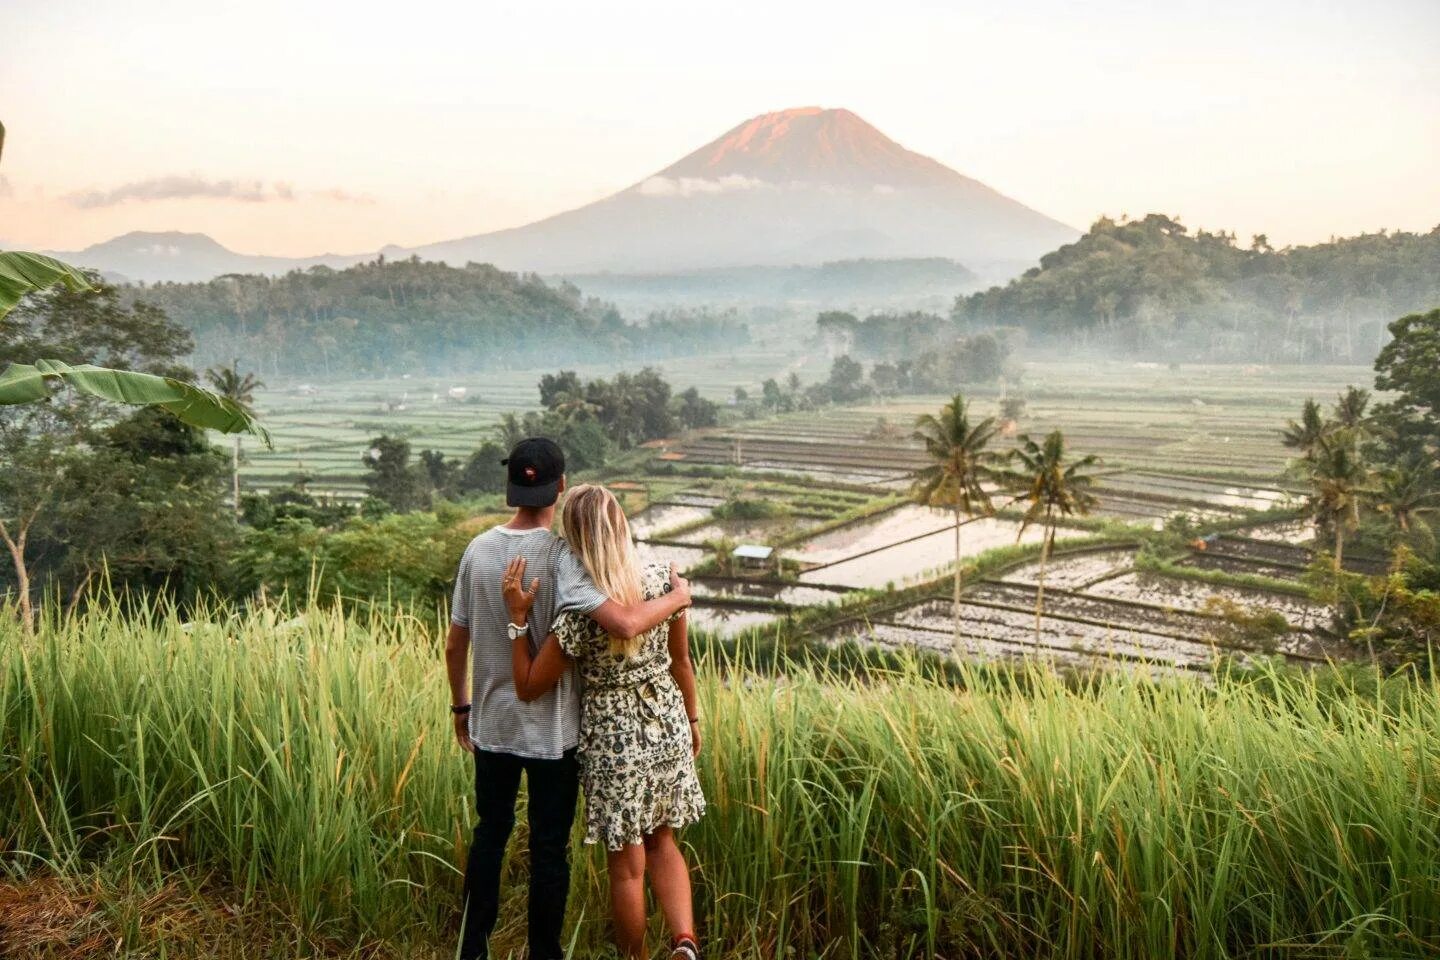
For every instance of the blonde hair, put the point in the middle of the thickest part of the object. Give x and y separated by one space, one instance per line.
597 530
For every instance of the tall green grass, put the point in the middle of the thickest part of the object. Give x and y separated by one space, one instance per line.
306 763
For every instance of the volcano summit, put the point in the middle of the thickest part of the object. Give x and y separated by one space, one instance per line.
800 186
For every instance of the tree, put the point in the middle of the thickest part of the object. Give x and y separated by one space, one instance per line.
143 506
1350 410
1306 434
694 411
393 480
240 391
559 388
1053 487
1408 491
22 274
58 454
509 431
959 466
441 473
846 383
1410 364
1339 478
772 396
483 471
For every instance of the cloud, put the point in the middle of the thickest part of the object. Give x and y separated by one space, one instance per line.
690 186
345 196
181 188
178 187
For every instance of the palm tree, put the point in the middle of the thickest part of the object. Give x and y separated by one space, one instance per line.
509 431
1053 487
241 392
1409 491
1350 409
1340 481
959 465
1305 436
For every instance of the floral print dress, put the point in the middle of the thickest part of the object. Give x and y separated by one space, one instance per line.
636 764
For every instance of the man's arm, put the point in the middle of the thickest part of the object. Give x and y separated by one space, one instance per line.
628 622
457 663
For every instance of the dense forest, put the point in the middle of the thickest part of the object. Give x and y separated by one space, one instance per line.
411 316
1151 285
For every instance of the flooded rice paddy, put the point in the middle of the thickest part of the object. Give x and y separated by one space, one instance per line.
663 517
927 554
1193 595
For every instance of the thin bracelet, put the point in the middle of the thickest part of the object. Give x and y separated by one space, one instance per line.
460 710
694 719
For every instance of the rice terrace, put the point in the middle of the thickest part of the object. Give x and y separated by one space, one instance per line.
680 525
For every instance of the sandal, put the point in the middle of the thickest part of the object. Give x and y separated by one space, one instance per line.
684 947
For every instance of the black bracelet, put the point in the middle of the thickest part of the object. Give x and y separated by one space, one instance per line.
694 719
461 710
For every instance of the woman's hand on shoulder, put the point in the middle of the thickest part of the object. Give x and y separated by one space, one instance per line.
518 600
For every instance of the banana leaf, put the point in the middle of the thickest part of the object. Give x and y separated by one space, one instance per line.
22 273
26 383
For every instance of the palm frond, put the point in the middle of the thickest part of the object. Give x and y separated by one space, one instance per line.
27 383
23 273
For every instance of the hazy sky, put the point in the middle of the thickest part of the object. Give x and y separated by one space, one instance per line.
303 127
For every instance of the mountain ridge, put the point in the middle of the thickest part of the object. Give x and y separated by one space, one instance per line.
796 187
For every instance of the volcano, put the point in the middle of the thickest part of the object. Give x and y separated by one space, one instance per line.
800 186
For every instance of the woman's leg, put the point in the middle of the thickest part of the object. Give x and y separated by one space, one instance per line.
627 898
670 879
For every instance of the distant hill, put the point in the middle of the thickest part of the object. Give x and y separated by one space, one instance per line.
411 316
799 187
150 257
857 284
1152 285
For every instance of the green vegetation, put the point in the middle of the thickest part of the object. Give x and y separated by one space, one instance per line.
1150 285
90 491
29 377
748 508
959 462
416 317
1052 486
294 766
1377 474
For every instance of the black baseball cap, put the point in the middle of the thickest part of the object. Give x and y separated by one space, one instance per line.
536 467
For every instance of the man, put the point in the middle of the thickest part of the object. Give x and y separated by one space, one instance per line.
506 736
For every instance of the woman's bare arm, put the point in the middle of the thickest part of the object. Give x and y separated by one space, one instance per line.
683 670
534 676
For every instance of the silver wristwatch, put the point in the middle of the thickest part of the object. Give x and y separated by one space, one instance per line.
515 631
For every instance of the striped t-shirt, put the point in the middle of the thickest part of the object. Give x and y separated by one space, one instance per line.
499 721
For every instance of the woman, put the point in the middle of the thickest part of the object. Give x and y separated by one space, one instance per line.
639 729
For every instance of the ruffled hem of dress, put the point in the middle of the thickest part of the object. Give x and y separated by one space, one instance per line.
675 819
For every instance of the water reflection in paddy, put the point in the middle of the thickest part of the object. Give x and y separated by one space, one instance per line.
728 621
664 516
887 528
683 557
928 554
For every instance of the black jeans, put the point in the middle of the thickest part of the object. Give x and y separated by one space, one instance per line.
553 788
